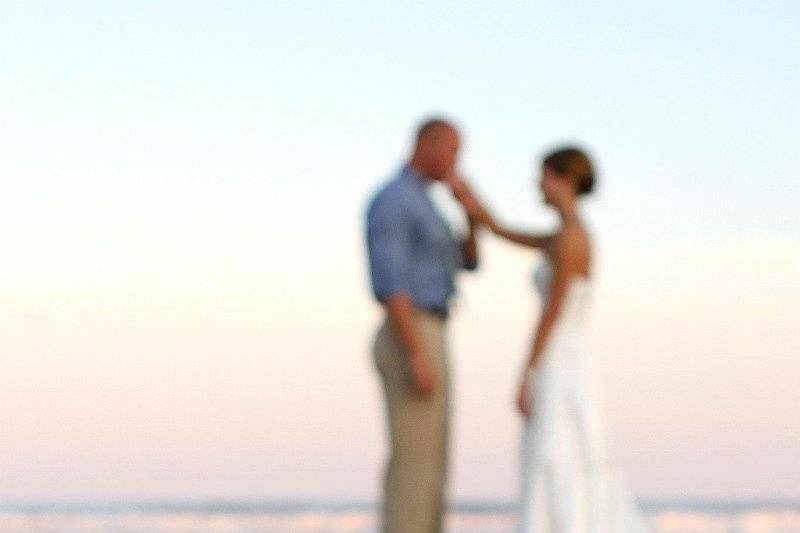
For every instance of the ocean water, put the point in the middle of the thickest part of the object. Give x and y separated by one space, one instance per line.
271 517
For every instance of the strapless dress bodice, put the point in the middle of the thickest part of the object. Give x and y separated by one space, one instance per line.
580 286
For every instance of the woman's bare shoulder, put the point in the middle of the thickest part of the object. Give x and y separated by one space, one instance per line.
571 247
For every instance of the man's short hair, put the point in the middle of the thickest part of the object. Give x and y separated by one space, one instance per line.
430 125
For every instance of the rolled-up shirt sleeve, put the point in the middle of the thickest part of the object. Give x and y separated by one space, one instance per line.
389 248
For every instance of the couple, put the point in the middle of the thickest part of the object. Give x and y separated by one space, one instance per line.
567 485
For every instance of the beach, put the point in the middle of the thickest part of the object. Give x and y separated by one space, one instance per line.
252 517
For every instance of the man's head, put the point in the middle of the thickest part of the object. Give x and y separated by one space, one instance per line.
436 149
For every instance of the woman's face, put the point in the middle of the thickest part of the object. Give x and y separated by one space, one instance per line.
549 185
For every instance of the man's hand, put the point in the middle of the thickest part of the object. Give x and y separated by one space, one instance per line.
525 396
423 373
401 316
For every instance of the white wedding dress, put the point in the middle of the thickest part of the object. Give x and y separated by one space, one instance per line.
567 483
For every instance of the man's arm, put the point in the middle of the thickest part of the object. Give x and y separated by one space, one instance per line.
400 311
469 247
389 245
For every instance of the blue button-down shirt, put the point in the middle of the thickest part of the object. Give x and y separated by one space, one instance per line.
411 249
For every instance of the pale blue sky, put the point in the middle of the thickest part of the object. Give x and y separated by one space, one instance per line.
183 190
691 106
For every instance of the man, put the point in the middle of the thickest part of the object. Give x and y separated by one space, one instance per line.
413 258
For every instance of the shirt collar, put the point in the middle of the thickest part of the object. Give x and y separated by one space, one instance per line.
415 177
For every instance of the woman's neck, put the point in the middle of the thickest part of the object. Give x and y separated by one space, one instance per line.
568 210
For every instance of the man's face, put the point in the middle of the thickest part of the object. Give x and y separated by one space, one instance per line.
444 152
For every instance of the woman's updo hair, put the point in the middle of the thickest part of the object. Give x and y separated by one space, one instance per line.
574 164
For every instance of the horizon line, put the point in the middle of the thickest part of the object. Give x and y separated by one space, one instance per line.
304 505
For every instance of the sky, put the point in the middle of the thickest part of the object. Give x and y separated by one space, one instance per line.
184 301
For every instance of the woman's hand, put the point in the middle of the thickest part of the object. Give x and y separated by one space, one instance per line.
525 395
475 210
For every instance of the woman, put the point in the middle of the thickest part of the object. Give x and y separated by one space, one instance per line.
567 485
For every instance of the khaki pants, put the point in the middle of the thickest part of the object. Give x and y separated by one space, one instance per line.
414 482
